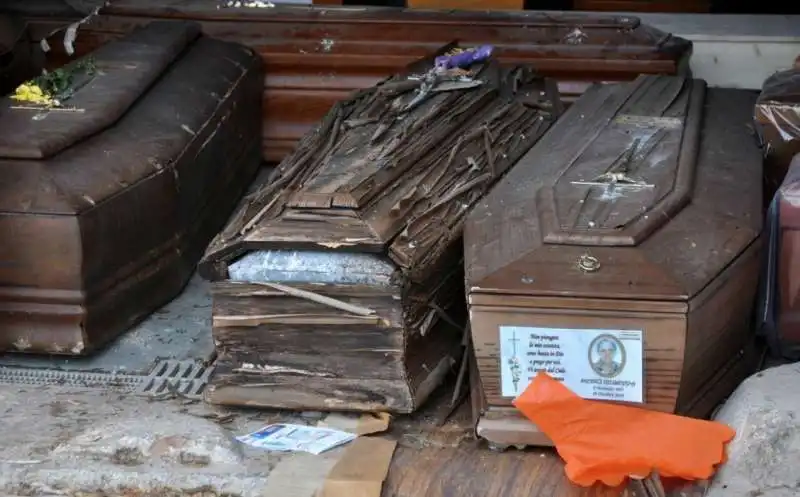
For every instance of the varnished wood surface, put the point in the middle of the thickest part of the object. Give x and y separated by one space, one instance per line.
504 249
695 311
720 331
318 55
111 228
114 89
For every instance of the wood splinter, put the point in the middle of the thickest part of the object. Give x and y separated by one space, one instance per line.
650 486
320 299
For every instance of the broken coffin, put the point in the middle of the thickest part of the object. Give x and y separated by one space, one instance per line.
317 55
620 255
338 284
109 199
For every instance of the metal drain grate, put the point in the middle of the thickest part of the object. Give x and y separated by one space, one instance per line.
25 376
185 378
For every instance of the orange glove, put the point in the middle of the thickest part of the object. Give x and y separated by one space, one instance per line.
608 442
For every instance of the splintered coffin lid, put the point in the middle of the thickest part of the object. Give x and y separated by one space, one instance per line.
378 177
624 197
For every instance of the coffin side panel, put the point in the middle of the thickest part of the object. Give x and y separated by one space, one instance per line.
48 316
280 351
720 328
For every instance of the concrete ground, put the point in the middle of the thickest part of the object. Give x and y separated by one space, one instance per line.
80 442
102 441
67 439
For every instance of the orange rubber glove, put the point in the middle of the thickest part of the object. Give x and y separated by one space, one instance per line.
608 443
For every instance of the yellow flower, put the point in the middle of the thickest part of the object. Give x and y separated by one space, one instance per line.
32 93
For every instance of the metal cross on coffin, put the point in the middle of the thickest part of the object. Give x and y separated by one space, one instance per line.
617 174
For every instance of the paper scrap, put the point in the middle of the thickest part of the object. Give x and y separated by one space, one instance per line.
296 438
362 469
366 424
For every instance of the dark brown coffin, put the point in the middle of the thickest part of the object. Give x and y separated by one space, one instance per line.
318 55
20 57
677 260
107 208
380 203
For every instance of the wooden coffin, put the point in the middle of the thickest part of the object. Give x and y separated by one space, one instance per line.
109 201
318 55
626 240
339 285
20 58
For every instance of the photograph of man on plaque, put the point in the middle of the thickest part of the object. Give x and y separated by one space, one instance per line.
607 356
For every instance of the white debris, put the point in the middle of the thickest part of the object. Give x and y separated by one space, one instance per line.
252 4
72 32
576 37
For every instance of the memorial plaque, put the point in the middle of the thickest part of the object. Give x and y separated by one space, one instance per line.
595 364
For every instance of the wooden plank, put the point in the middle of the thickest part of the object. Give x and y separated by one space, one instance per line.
425 452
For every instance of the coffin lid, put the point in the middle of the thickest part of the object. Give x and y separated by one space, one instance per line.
602 37
118 74
373 178
587 210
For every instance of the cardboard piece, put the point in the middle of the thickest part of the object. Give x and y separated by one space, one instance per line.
365 424
362 469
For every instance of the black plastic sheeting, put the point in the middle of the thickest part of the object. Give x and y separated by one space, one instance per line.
768 304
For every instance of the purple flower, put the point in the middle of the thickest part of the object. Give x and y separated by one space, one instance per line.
463 59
